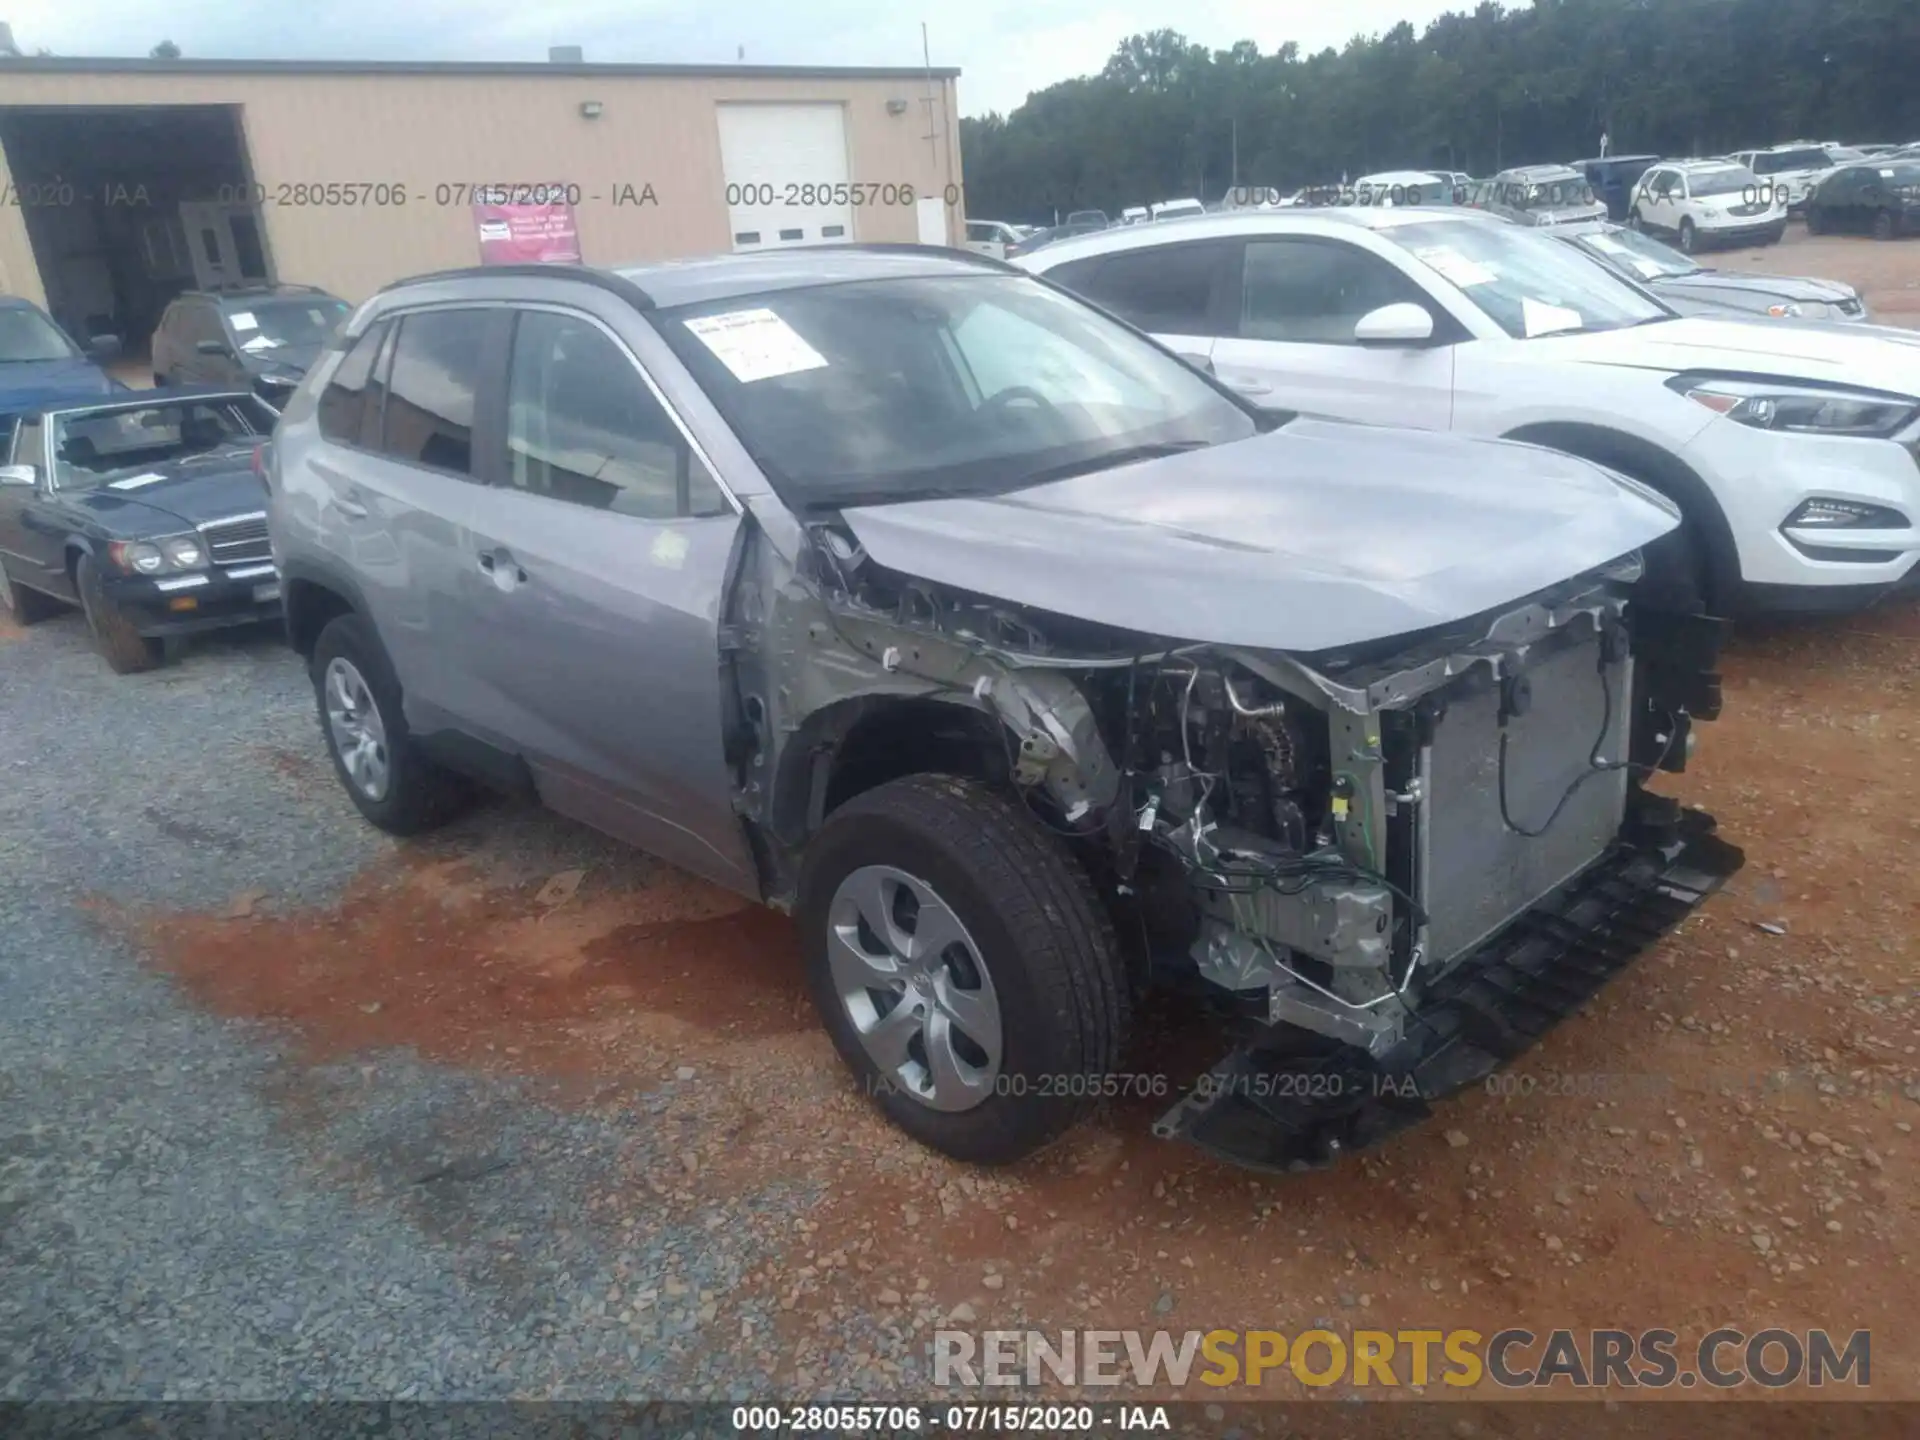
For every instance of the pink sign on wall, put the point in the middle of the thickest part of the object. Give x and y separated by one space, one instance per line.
527 234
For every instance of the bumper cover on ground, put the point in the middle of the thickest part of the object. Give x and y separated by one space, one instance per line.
1272 1105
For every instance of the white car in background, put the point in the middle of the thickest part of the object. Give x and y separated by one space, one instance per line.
1176 209
1135 215
1792 451
992 237
1708 202
1795 169
1403 187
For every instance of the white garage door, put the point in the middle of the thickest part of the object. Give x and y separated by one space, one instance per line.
782 163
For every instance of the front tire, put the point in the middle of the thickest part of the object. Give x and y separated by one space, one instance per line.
1885 226
1689 237
384 772
999 1040
120 643
1634 222
1816 221
21 605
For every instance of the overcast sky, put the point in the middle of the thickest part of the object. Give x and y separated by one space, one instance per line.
1004 48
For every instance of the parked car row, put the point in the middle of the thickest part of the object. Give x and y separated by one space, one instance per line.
1344 728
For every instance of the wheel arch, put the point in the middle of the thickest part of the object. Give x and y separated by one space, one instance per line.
311 596
1662 470
860 743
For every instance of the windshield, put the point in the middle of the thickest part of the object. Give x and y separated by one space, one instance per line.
1638 254
1558 194
1733 180
1528 283
911 388
279 324
1776 161
27 335
114 447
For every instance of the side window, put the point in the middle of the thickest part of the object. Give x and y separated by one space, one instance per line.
431 383
27 447
1167 289
1313 292
583 427
1077 275
342 407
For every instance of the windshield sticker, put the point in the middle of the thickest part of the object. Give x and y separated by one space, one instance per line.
1454 266
756 344
1886 174
1539 318
259 342
243 320
134 482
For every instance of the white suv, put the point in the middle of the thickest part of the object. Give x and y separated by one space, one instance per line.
1794 453
1792 169
1708 202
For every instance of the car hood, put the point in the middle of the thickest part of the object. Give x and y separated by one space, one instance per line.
1569 214
187 493
1317 535
27 385
290 360
1773 288
1837 354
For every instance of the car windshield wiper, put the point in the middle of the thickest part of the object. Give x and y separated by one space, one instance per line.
1111 459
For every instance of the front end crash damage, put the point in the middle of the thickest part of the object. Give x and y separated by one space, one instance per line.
1392 867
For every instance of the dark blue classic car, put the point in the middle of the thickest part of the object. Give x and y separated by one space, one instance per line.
146 510
40 366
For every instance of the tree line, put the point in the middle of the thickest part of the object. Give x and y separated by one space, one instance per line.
1476 92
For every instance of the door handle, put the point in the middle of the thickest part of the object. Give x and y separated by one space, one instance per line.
349 505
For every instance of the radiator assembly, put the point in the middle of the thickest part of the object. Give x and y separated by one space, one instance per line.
1403 868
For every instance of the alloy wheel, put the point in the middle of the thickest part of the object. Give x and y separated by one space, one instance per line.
915 987
359 734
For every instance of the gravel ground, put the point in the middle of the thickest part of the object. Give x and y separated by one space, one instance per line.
187 1212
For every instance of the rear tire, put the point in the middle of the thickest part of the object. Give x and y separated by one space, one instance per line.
385 774
1031 936
121 645
24 606
1816 221
1885 226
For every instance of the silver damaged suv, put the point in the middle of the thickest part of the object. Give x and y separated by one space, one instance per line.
1032 671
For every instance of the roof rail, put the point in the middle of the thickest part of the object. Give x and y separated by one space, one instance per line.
591 275
909 247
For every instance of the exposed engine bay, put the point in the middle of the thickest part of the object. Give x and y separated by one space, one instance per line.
1329 846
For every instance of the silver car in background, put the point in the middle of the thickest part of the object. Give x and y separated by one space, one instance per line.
1030 669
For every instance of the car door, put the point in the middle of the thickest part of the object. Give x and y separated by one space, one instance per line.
1292 343
406 440
31 543
600 559
1180 293
1653 203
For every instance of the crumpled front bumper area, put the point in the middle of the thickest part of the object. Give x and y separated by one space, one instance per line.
1285 1103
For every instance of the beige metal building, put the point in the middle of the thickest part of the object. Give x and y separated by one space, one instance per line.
129 180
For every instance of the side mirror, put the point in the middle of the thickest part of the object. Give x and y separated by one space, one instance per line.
1401 324
1202 363
102 348
22 475
212 347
